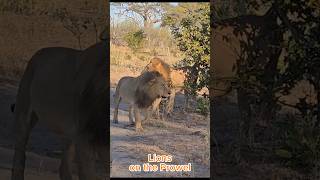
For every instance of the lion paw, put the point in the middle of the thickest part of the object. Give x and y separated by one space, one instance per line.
115 121
139 130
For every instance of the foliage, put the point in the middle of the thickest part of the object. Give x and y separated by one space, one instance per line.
192 33
301 143
149 13
119 30
75 24
16 6
203 106
279 46
142 16
160 38
135 39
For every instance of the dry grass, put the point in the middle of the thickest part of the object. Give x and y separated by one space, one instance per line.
124 62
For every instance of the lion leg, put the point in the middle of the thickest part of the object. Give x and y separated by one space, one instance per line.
170 104
103 154
130 115
65 170
147 114
156 107
115 116
22 129
86 160
137 119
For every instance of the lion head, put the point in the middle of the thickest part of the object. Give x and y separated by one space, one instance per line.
152 85
156 64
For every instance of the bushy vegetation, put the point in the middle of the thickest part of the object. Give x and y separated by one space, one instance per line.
192 33
203 106
135 40
279 51
300 148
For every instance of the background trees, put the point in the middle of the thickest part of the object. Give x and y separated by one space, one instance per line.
278 48
170 29
190 27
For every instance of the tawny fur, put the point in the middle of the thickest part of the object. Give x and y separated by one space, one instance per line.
139 92
66 90
158 65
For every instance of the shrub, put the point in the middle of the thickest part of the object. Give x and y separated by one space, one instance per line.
301 143
135 40
203 106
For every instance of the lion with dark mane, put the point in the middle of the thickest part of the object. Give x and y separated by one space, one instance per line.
140 92
66 90
158 65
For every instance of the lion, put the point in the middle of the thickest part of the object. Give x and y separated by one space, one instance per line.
66 90
158 65
139 92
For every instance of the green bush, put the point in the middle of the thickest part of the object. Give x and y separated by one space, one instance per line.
203 106
300 144
192 34
135 40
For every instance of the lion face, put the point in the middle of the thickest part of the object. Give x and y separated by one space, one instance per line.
160 87
151 86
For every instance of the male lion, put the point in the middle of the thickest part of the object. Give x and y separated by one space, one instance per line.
158 65
139 92
66 90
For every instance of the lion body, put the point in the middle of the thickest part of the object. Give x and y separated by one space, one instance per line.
139 92
64 89
158 65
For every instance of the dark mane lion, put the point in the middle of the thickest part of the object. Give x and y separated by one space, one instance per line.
146 93
139 92
158 65
67 90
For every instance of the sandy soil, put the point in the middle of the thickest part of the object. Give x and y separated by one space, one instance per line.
184 136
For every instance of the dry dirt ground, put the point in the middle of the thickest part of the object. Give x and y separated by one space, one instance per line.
184 136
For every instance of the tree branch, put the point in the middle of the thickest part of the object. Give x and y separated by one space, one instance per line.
298 36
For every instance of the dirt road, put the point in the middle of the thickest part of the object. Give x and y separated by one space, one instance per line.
184 136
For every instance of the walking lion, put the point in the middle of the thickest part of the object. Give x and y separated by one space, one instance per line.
66 90
140 92
158 65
